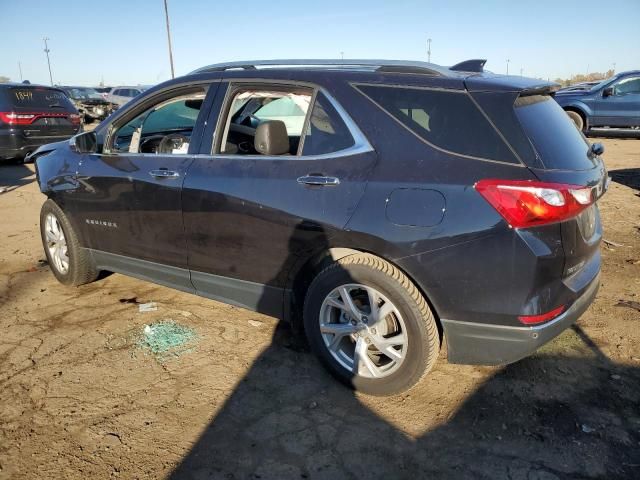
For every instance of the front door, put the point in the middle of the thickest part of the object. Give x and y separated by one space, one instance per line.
622 108
286 171
129 197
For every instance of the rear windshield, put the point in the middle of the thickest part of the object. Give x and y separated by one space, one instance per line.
446 119
558 142
38 99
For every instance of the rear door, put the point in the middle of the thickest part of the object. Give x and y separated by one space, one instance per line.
622 109
248 215
130 196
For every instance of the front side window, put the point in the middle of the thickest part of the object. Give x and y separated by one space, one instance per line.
265 121
448 120
165 128
628 85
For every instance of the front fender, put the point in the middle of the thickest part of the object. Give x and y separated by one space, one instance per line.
575 104
56 168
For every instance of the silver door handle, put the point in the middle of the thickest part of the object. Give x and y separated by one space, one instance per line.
163 173
319 180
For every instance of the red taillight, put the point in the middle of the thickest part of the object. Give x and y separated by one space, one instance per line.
533 319
524 203
27 118
13 118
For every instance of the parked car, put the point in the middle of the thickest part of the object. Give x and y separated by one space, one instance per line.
613 103
90 104
387 204
103 91
32 115
121 95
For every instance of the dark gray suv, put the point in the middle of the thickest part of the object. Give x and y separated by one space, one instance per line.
384 206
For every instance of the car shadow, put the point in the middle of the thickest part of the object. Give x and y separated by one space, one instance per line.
626 176
549 416
14 175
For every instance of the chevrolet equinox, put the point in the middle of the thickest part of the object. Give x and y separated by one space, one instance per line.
386 207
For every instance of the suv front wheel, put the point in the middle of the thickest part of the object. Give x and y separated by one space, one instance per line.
71 264
370 325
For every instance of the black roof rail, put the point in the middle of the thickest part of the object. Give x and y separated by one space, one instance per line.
475 65
396 66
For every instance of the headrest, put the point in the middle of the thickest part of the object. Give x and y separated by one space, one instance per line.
271 138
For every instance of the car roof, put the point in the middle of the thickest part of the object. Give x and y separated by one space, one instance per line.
29 85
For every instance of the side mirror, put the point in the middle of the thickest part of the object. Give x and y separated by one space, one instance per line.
607 92
86 142
596 150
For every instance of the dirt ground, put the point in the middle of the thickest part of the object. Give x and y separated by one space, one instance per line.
79 399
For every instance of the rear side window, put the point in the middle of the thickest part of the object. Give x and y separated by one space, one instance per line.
446 119
326 133
557 141
38 99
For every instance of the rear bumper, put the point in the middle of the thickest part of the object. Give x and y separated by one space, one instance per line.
486 344
17 145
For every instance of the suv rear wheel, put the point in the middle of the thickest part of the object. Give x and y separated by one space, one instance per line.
71 264
370 325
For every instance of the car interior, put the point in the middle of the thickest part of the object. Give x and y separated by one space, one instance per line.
265 122
165 128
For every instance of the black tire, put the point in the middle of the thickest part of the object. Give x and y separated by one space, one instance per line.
421 329
577 119
81 269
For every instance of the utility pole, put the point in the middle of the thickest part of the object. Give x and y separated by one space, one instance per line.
46 50
520 71
614 67
508 66
429 50
166 15
20 68
342 55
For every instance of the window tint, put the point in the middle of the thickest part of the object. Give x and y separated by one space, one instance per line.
327 132
165 128
628 85
553 134
448 120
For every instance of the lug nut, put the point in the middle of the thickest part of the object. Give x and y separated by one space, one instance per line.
365 320
353 322
373 330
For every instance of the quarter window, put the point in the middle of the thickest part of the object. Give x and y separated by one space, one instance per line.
327 131
446 119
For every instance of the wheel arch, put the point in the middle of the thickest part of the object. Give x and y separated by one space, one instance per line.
580 111
303 273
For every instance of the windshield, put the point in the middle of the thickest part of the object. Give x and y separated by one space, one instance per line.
604 82
84 94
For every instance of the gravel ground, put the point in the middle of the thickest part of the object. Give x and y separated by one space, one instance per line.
79 398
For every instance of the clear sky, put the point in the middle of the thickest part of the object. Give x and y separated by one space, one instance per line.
124 41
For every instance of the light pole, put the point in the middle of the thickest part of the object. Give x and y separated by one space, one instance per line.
429 50
614 67
520 71
46 50
342 55
20 68
508 66
166 15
